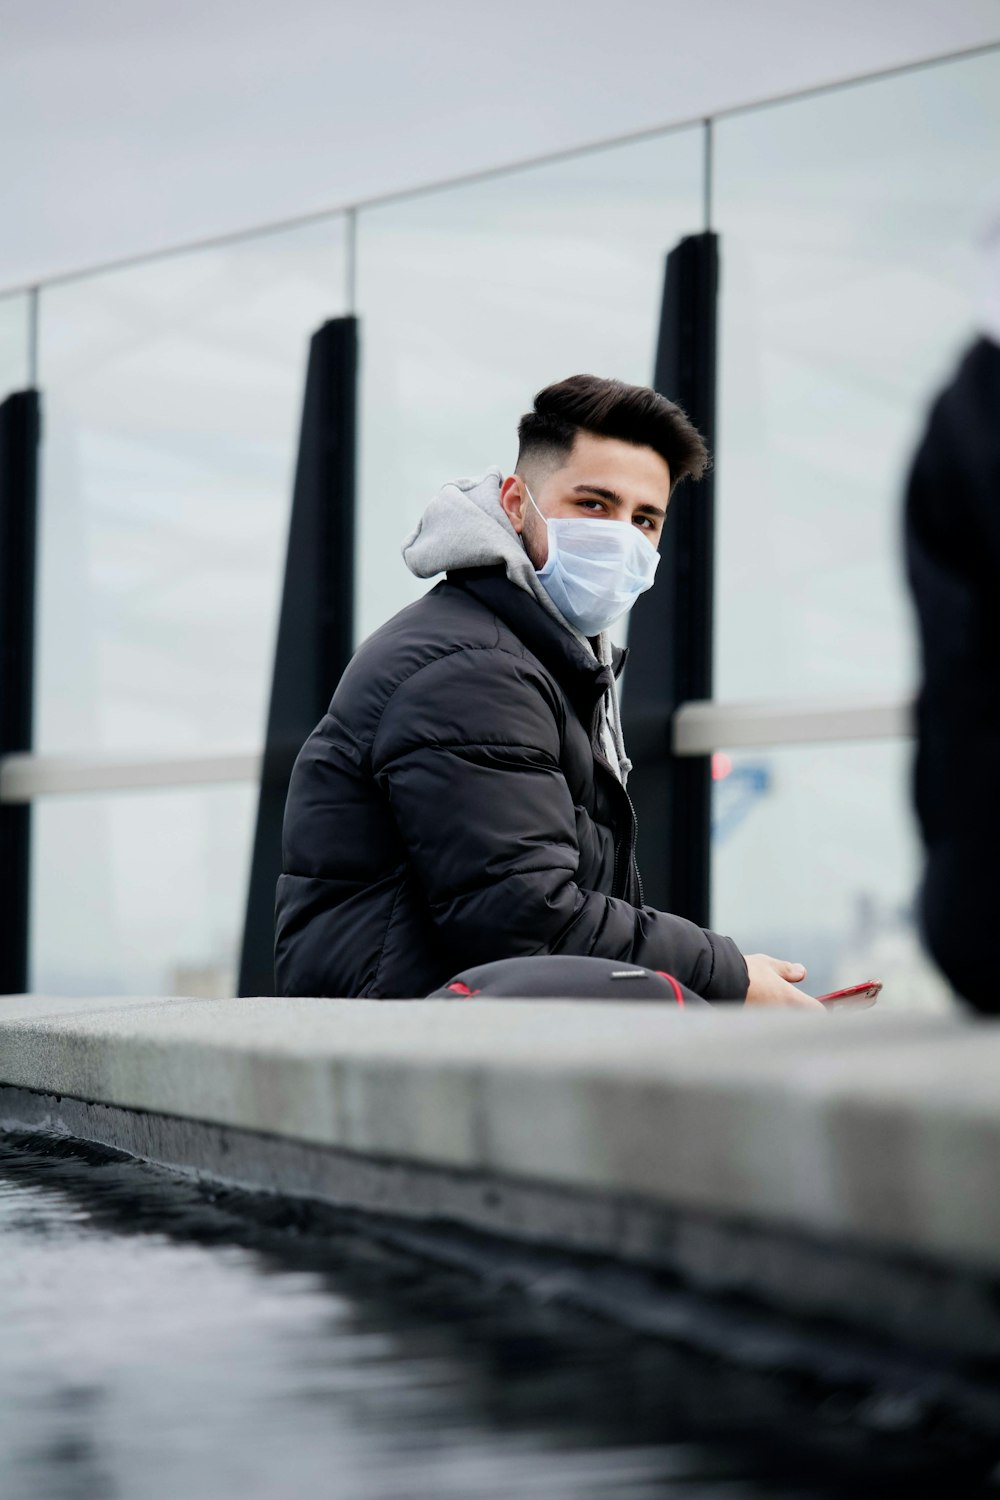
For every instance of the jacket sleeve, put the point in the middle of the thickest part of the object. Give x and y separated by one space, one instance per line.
467 752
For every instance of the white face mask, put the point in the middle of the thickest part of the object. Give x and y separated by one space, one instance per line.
595 570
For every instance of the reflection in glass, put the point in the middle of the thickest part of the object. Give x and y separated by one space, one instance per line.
172 398
140 893
815 859
474 298
849 227
14 335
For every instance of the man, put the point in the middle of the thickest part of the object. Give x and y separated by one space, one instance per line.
464 799
953 560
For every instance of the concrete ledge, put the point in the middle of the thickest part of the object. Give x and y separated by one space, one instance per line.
882 1131
837 1167
908 1301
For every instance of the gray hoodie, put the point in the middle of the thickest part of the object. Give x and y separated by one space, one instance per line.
465 526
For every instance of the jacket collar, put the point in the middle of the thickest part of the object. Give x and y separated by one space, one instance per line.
578 672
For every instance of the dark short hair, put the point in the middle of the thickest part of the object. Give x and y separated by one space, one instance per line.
614 409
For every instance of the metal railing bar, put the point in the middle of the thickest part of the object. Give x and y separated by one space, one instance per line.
33 338
698 729
485 174
23 778
351 268
707 180
701 728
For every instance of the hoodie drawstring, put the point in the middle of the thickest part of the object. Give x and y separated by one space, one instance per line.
612 711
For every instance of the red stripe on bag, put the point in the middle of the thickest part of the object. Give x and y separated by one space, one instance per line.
460 988
678 993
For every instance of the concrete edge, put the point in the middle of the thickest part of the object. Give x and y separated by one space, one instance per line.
881 1130
908 1300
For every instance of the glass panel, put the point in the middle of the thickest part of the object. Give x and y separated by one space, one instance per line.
474 298
13 343
140 893
849 228
816 859
172 403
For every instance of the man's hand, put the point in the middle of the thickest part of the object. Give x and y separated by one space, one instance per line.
772 982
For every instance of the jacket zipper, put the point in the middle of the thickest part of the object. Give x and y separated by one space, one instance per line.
621 893
603 761
631 851
633 830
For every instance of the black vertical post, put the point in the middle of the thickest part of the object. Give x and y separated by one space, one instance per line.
19 435
316 627
670 628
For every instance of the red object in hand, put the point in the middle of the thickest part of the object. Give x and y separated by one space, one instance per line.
860 996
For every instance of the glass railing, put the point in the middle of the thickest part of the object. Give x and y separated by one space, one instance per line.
848 223
849 226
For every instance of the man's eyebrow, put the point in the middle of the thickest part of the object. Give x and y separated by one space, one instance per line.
613 498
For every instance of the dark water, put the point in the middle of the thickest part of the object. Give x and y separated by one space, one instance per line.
163 1341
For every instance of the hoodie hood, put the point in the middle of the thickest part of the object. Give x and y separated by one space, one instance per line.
465 526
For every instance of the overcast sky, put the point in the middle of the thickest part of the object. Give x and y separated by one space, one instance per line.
129 126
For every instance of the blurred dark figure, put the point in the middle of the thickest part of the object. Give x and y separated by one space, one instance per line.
953 561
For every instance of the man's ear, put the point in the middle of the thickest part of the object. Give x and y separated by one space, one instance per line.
513 501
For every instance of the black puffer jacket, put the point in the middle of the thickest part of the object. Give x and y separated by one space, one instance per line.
454 807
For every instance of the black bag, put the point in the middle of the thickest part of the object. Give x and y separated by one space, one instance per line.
551 977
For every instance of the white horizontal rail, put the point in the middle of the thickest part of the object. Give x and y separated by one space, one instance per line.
25 777
700 728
